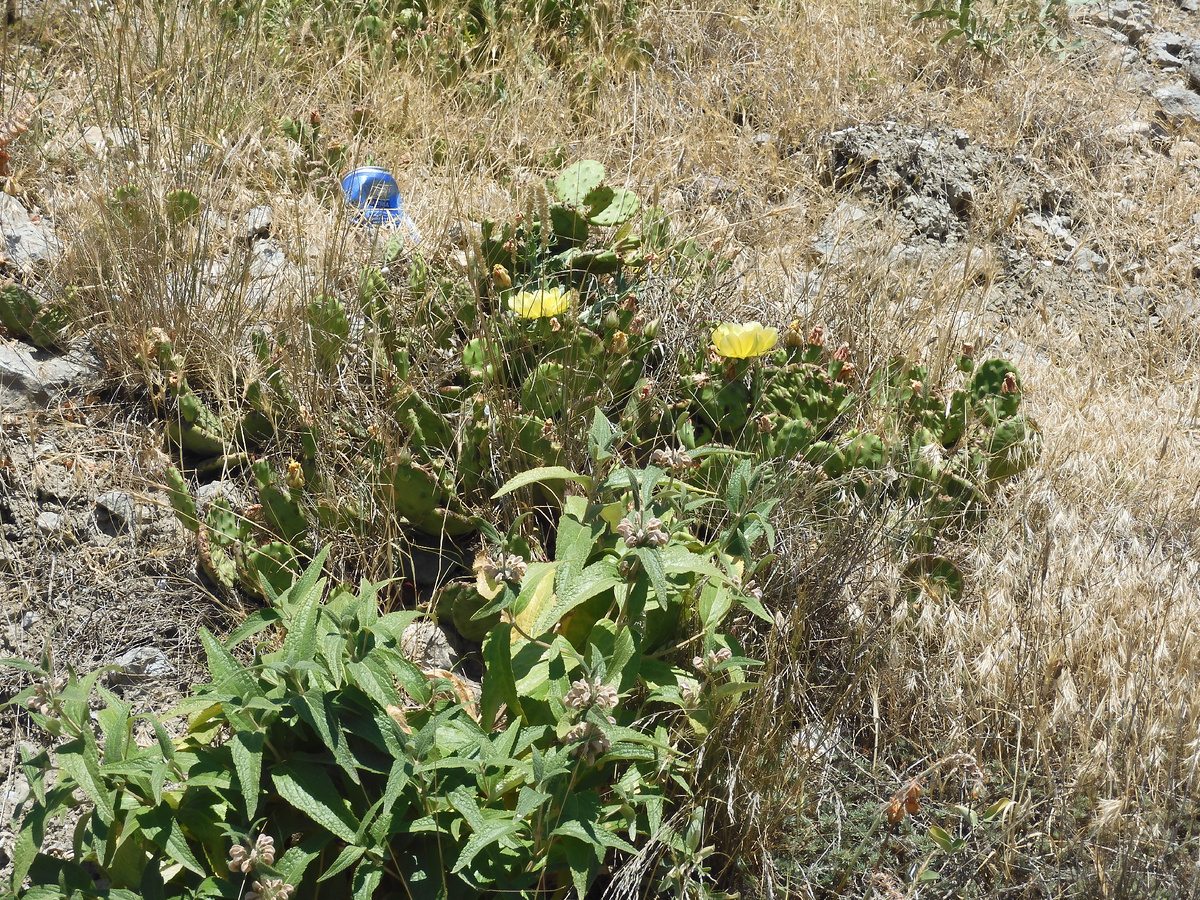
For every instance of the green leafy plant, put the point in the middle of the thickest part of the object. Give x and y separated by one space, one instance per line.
330 762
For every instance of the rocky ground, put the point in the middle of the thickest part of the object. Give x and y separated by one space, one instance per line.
95 568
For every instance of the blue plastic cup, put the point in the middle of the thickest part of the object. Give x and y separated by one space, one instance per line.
374 194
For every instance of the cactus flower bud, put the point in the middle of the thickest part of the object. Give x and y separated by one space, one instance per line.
816 337
295 476
619 343
1010 384
501 277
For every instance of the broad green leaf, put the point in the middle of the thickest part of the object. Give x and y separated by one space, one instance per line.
366 880
247 750
492 832
301 640
79 758
292 865
463 799
652 563
227 672
350 854
538 596
540 474
314 708
256 622
161 826
309 788
942 838
593 580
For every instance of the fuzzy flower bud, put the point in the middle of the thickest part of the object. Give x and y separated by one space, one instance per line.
589 739
1010 384
638 533
816 337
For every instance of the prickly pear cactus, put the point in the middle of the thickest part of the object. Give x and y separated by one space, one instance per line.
25 316
329 326
182 206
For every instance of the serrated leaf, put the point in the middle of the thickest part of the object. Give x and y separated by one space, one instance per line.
493 831
350 854
500 686
247 749
309 788
80 759
541 474
256 622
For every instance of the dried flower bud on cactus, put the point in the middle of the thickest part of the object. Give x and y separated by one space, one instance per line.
816 337
1010 384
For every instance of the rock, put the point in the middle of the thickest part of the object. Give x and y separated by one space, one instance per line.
49 522
1164 48
835 238
116 512
258 224
140 664
1178 103
712 190
30 377
1057 227
26 242
1131 18
1084 260
269 271
425 645
977 268
1192 70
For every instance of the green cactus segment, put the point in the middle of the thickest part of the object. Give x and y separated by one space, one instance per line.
934 576
996 390
611 207
182 206
274 563
330 329
24 316
181 499
427 428
412 490
281 507
543 393
373 299
457 603
570 227
478 360
575 182
866 451
446 523
723 405
219 535
1014 446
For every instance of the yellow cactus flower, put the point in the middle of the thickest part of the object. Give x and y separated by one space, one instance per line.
540 304
743 341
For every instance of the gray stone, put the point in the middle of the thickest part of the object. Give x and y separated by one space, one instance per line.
1192 70
49 522
1164 49
425 645
30 377
141 663
116 512
1131 18
1178 103
258 224
1084 260
26 242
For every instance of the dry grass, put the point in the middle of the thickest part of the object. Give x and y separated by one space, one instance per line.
1069 668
